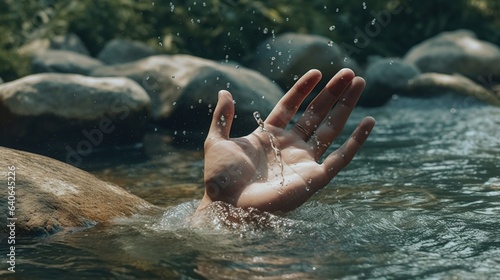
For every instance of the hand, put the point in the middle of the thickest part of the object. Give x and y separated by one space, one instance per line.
278 169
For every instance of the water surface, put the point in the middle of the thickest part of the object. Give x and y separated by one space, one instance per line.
421 200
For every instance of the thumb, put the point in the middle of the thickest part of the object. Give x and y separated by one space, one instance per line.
223 116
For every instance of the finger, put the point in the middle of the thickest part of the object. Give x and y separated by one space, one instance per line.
222 117
321 105
340 158
331 127
288 105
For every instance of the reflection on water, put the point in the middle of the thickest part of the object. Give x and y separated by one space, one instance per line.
422 200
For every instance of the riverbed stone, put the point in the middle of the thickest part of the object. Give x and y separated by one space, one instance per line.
384 78
67 42
119 51
432 84
288 56
456 52
184 91
61 61
50 196
70 115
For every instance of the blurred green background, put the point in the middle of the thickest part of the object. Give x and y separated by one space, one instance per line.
231 29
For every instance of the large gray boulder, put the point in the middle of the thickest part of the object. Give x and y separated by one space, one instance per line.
119 51
71 115
61 61
456 52
184 91
68 42
288 56
45 196
384 78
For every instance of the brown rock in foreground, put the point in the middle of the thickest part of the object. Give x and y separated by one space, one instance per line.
51 196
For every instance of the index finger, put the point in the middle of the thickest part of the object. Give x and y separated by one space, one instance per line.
288 105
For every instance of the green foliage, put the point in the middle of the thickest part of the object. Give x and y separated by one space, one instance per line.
231 29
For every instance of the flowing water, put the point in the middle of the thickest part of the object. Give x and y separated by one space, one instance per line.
421 200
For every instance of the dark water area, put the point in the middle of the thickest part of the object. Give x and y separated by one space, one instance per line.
421 200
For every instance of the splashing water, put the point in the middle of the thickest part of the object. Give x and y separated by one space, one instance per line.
277 152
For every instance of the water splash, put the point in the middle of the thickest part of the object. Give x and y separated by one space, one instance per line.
272 139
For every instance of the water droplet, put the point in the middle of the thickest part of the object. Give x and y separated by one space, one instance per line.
268 46
356 41
199 100
331 28
296 77
222 120
330 43
366 132
256 116
364 5
265 31
308 123
175 103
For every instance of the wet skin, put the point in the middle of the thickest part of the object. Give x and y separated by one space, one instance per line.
279 166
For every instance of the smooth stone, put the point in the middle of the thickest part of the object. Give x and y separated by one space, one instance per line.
58 114
456 52
436 83
385 77
288 56
51 196
61 61
184 91
119 51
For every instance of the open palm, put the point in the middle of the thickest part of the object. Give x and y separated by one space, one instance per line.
278 168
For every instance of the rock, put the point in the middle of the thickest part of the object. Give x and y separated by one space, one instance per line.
184 91
119 51
436 83
384 78
70 115
68 42
51 196
456 52
288 56
60 61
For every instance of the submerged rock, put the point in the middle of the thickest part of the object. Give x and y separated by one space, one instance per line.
68 42
456 52
436 83
60 61
69 115
51 196
288 56
184 91
119 51
384 78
